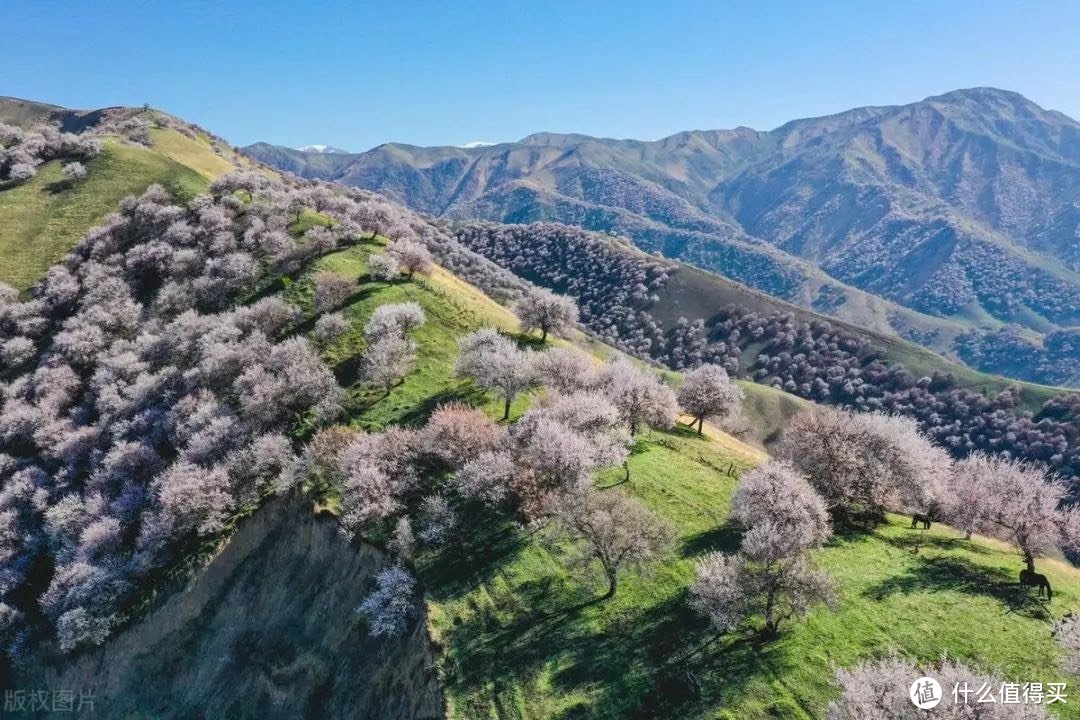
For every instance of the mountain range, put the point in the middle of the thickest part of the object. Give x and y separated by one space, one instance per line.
952 221
266 612
324 149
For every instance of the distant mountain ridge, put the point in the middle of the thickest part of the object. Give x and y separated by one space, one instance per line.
928 220
323 149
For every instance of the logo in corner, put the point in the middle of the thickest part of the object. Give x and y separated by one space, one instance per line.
925 693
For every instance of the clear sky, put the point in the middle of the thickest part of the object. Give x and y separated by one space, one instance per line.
356 74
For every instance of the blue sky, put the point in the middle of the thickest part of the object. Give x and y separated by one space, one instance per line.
356 74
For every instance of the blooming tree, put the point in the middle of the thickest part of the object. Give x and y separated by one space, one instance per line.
547 312
771 574
412 257
1020 503
383 266
708 391
614 531
494 362
390 605
878 689
332 289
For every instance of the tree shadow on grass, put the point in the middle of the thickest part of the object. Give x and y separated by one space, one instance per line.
656 664
644 659
725 538
55 188
914 538
491 544
306 325
465 393
596 645
935 574
528 341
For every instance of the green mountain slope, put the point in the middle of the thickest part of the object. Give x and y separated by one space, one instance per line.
43 218
932 220
515 633
694 293
503 607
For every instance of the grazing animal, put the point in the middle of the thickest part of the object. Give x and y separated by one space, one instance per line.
1030 577
920 518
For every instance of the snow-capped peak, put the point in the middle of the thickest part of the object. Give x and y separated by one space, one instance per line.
322 149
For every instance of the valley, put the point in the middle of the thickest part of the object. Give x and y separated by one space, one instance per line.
942 221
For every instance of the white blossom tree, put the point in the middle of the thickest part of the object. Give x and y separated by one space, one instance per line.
332 289
437 520
494 362
412 257
771 574
567 370
547 312
456 434
330 326
391 604
394 318
1067 635
877 689
865 463
708 391
1021 503
767 577
387 361
642 398
74 172
383 266
614 531
776 492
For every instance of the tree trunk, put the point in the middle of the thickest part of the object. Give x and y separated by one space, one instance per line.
626 466
770 622
506 408
543 334
1029 561
700 425
613 581
967 535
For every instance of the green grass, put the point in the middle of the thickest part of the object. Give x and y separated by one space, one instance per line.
450 312
518 634
520 638
766 412
195 153
42 219
502 605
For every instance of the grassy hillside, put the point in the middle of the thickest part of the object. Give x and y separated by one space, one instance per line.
521 637
517 635
695 293
42 219
523 641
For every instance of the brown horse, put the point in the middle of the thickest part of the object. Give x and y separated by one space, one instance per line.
1030 577
920 518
